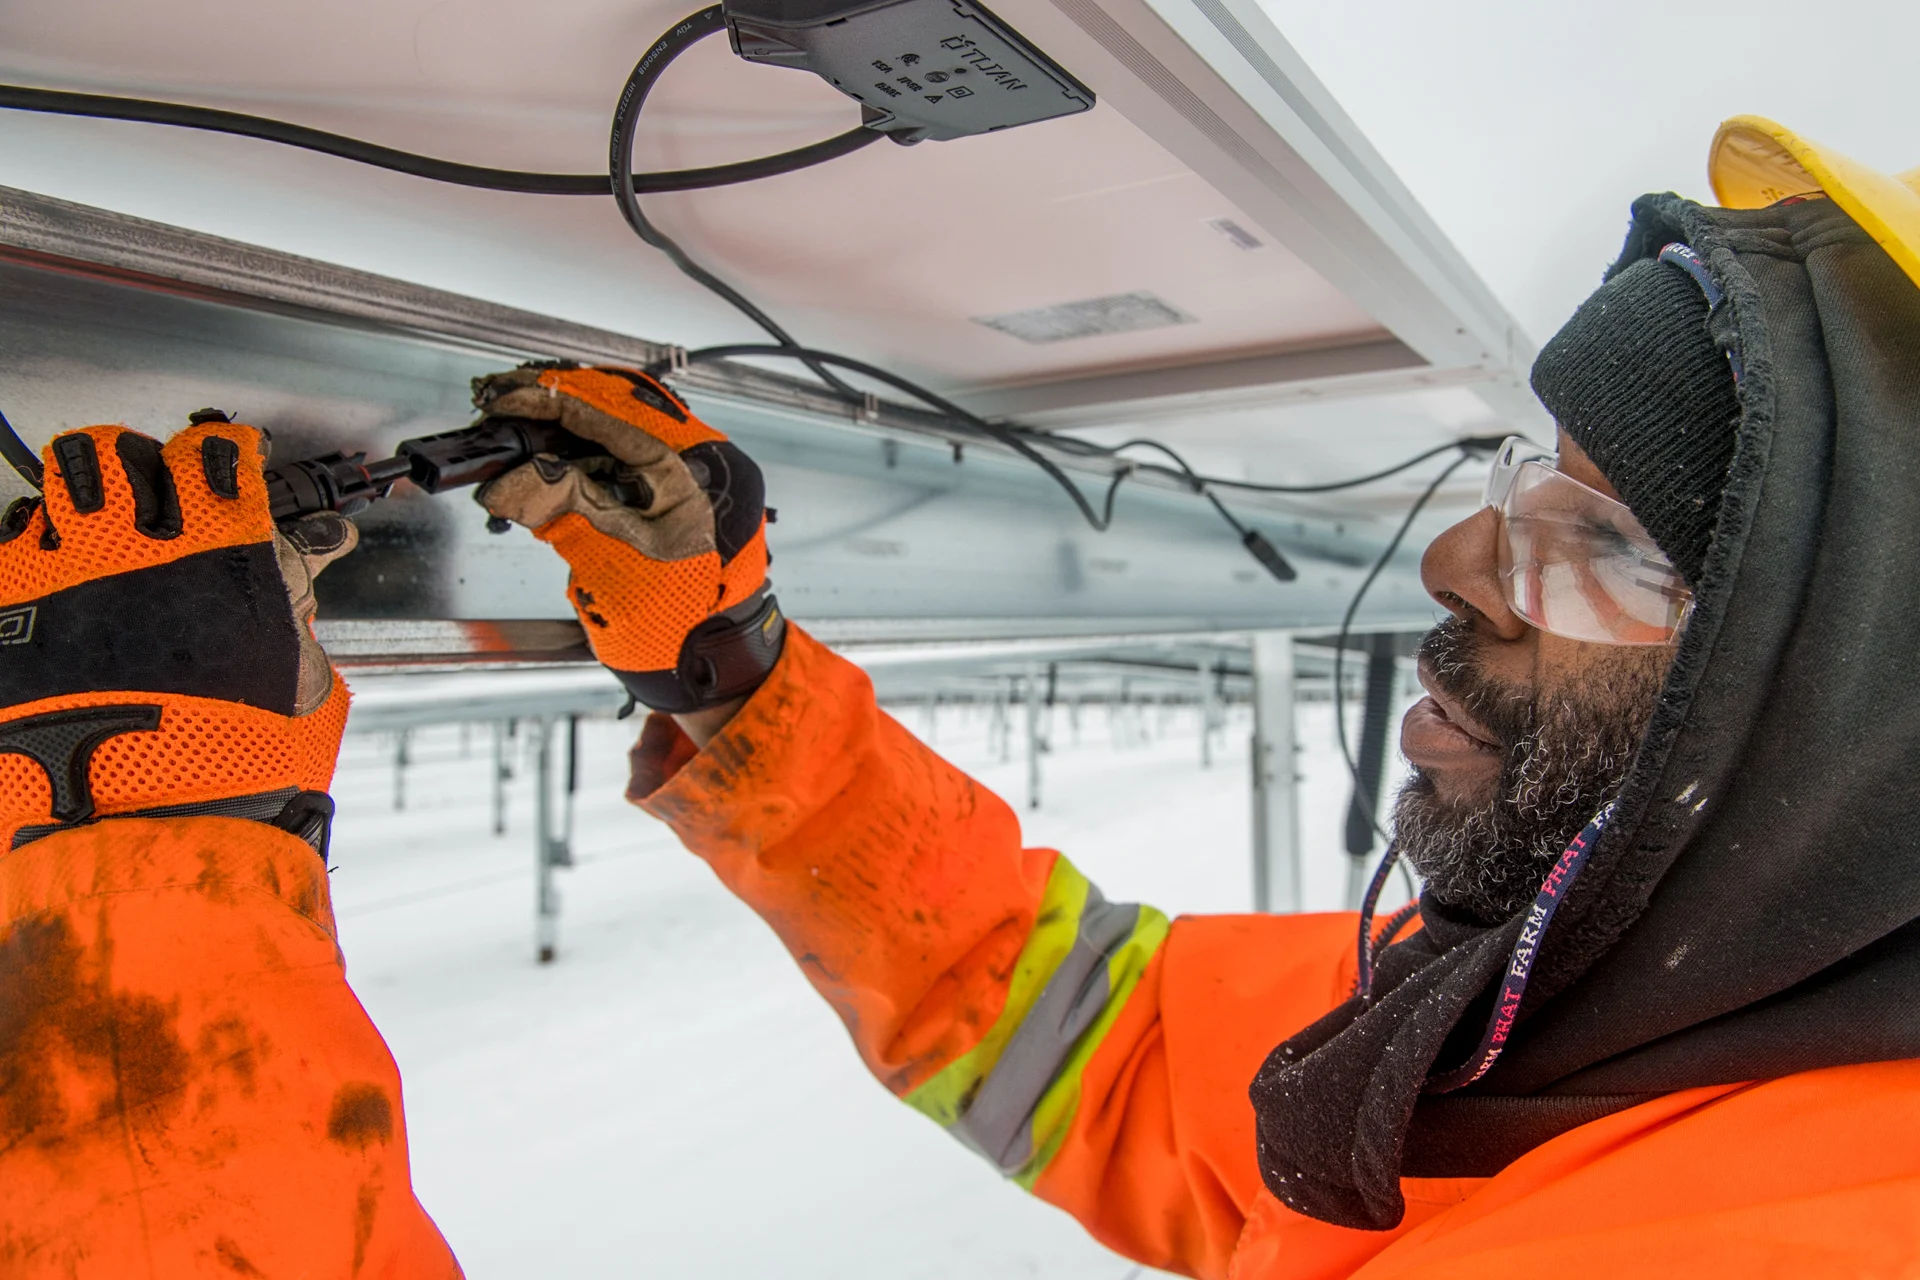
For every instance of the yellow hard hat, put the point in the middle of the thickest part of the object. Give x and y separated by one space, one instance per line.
1755 162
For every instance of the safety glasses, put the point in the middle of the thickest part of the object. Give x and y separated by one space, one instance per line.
1574 561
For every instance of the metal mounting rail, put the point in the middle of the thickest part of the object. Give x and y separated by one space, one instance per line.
75 239
887 531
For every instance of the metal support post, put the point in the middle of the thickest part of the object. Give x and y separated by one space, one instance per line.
1363 810
1036 741
573 790
402 757
1207 712
997 729
1276 813
502 774
551 850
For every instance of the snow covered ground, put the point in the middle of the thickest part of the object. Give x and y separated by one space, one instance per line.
669 1098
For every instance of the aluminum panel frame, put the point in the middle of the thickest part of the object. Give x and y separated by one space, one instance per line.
1217 85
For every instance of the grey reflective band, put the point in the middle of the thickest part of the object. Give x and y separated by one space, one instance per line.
998 1122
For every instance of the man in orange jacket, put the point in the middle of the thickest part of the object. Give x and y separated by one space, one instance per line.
1658 1016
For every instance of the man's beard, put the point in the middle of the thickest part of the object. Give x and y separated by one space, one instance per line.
1566 753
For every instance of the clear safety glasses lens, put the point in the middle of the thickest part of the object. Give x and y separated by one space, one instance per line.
1576 563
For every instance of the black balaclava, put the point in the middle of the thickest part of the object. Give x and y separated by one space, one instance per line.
1644 389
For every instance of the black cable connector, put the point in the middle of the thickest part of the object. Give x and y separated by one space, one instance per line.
1268 555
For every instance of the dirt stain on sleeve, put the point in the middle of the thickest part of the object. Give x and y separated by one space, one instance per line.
60 1019
366 1207
232 1259
229 1044
361 1116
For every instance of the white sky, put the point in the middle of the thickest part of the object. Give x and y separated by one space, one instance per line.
1527 128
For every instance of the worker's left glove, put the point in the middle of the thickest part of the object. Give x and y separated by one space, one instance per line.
665 533
156 651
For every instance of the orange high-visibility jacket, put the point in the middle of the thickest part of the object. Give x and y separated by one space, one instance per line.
1100 1054
187 1086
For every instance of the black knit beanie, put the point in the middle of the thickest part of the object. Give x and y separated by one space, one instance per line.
1643 389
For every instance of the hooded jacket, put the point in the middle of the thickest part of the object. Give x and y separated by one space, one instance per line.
1749 911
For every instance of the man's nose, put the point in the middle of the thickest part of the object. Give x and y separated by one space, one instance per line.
1461 570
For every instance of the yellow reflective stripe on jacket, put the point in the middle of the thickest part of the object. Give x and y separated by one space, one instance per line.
1013 1096
1055 926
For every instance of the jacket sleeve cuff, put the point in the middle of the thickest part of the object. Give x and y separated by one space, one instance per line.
773 763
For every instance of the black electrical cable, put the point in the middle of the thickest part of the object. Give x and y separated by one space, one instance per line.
992 430
1198 483
1073 444
1017 440
18 455
626 124
142 110
1253 540
1473 443
1346 630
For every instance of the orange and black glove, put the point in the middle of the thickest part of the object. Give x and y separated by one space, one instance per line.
156 651
665 536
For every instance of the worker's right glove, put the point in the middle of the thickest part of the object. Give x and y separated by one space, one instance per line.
665 537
